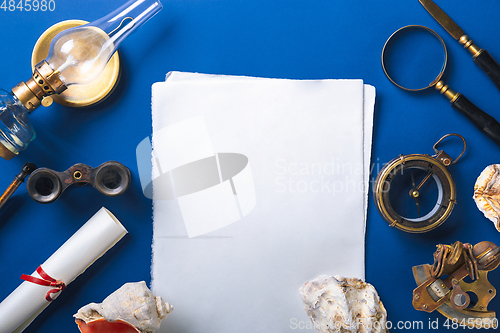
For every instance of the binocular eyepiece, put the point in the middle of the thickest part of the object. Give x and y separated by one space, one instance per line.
110 178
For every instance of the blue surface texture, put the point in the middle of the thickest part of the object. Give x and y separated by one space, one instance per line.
295 39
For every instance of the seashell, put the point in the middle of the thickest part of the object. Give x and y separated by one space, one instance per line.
338 304
487 193
131 309
104 326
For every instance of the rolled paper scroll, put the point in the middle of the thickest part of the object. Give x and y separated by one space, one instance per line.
88 244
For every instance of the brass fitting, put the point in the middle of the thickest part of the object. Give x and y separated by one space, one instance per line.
44 82
5 153
470 46
445 90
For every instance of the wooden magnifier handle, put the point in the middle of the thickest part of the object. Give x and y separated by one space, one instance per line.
489 65
483 121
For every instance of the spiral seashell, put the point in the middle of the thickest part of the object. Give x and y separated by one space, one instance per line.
131 309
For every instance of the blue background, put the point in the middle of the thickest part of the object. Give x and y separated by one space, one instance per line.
296 39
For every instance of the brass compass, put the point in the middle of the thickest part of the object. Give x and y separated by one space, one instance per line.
416 193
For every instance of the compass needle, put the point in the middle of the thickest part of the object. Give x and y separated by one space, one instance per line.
429 174
414 193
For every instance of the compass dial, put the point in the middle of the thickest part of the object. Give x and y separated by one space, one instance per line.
414 193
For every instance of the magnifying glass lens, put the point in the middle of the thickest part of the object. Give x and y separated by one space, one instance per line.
414 58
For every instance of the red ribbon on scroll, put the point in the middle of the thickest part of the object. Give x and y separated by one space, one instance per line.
46 280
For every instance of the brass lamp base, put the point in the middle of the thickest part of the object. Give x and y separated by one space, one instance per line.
5 153
84 94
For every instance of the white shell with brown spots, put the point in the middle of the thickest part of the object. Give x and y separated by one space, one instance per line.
338 304
487 193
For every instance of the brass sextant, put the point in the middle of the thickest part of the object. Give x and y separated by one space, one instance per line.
444 285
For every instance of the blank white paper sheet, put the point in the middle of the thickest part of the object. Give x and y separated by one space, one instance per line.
259 185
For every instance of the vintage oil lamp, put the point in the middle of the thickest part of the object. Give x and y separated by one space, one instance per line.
76 57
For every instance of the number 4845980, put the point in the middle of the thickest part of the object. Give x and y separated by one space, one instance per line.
28 5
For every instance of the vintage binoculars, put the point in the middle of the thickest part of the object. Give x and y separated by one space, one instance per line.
110 178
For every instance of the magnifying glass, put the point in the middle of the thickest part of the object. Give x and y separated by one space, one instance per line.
413 67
